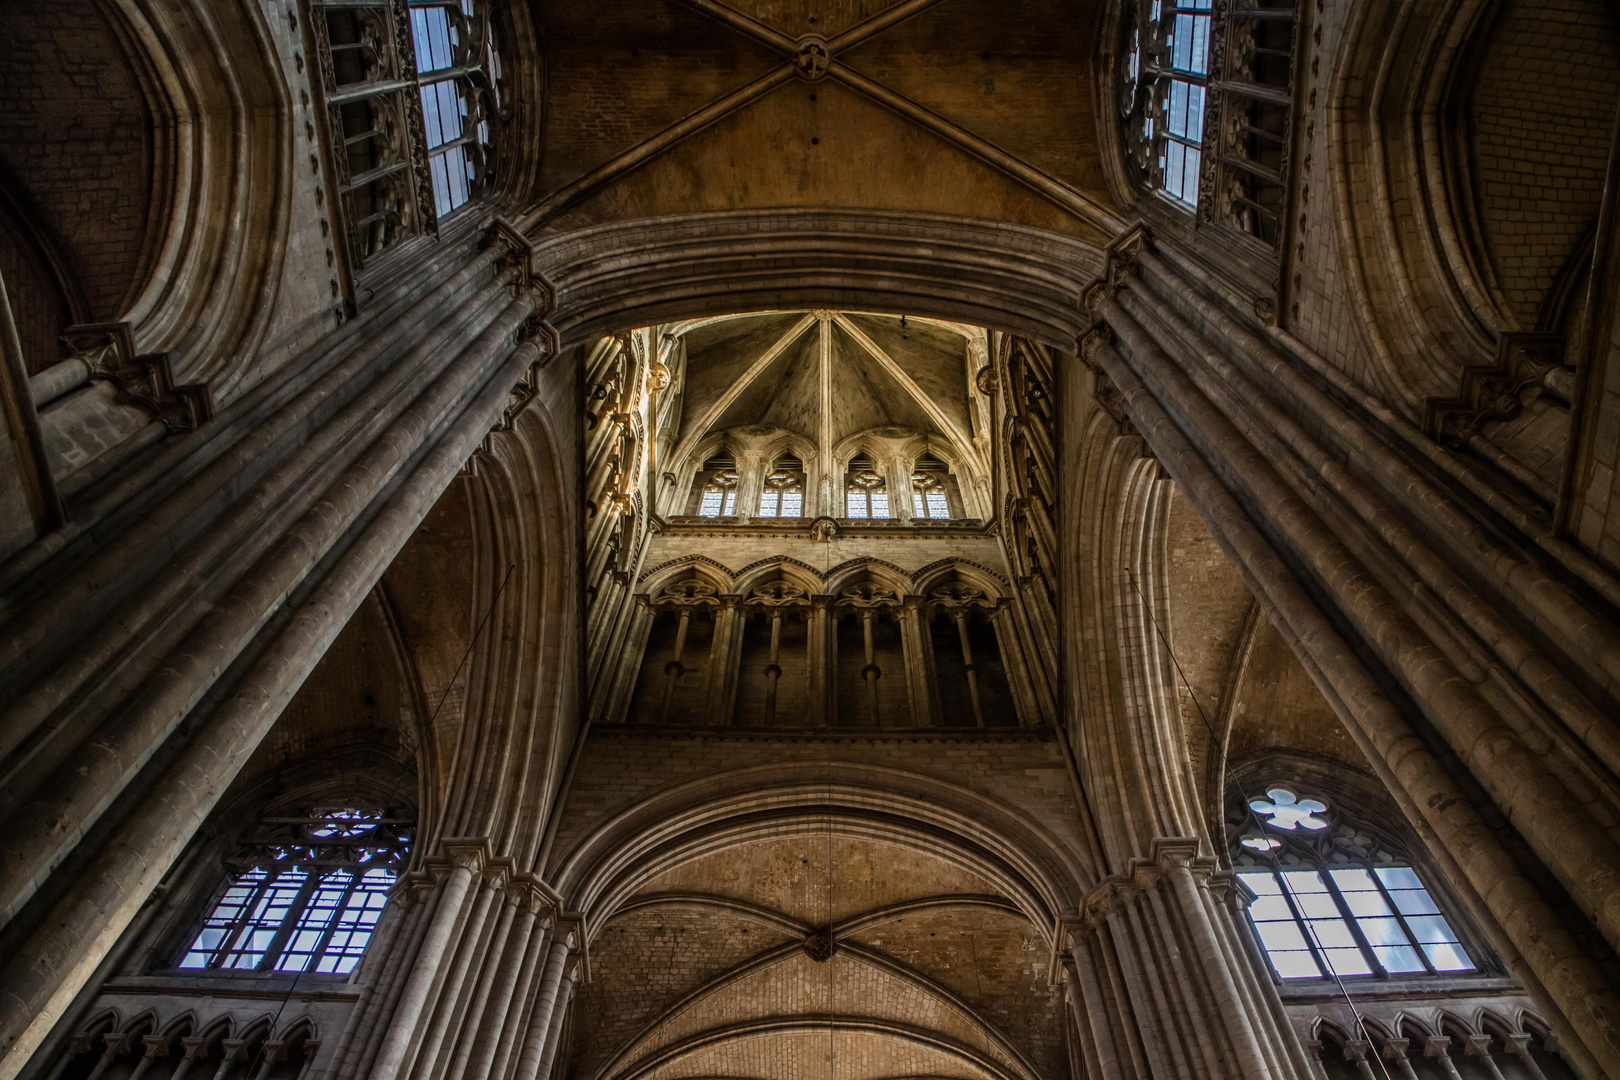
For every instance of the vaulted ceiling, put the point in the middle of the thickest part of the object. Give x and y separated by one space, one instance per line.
825 376
955 107
713 970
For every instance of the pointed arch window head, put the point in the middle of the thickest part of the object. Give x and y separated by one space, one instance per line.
1331 901
303 893
717 487
782 494
928 489
866 494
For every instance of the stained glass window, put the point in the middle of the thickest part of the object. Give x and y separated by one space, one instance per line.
458 71
304 894
1329 902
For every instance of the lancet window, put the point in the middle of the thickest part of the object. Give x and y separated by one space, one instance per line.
929 495
459 71
1330 900
782 493
1206 102
303 893
412 114
866 493
717 487
1164 93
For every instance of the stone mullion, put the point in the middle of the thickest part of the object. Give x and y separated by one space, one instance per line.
919 663
1557 825
725 658
819 651
1423 786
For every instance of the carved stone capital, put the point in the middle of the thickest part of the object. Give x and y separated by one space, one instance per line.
1494 391
107 351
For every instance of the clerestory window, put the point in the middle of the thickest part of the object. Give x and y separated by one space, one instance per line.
782 494
458 72
1330 901
928 497
866 495
303 893
1164 91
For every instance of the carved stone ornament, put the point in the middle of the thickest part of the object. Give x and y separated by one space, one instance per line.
958 596
819 946
658 377
812 58
778 594
988 380
690 594
868 596
107 351
823 530
1493 391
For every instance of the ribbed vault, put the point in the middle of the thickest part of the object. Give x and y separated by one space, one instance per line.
716 967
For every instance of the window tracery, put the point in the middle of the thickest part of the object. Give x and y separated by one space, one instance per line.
413 92
303 893
1206 101
459 73
866 493
782 494
717 487
1163 94
1330 900
929 497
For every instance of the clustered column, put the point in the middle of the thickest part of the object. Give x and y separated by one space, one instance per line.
1386 560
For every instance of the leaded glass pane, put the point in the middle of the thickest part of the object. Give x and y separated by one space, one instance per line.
937 506
710 506
792 504
767 503
880 504
1279 933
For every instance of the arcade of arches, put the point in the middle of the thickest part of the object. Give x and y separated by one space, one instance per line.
809 540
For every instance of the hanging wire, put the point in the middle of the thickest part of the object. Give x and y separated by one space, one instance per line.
1344 992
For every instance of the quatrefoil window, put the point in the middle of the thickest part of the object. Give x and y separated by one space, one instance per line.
1284 809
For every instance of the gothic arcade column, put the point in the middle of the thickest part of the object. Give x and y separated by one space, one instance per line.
1470 651
199 590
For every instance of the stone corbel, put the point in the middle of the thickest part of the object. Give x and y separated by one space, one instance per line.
107 351
1119 263
571 930
1491 391
529 892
